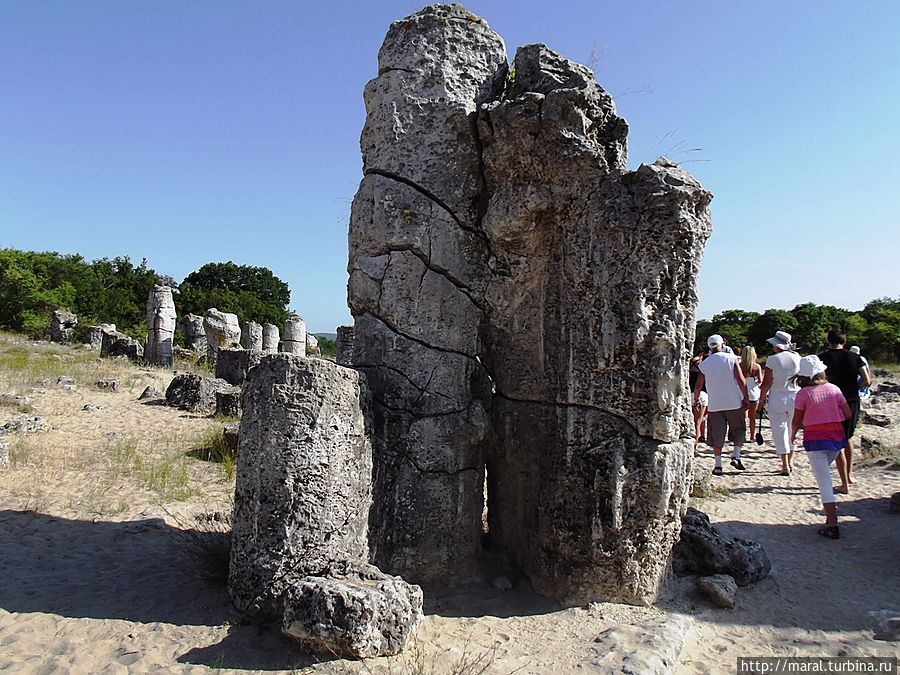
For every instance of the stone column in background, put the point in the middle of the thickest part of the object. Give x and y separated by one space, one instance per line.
194 334
271 337
222 330
62 326
344 345
294 336
252 336
160 327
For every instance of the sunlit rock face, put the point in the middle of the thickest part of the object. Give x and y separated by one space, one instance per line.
524 309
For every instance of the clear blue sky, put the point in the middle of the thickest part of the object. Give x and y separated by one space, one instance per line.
189 132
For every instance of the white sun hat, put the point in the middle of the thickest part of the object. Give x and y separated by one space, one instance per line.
810 366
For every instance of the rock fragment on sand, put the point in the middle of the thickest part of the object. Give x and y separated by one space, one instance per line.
874 419
65 379
90 407
703 550
355 610
110 385
228 401
719 588
150 392
649 648
195 393
231 435
23 424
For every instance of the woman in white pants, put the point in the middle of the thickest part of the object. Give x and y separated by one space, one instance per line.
777 383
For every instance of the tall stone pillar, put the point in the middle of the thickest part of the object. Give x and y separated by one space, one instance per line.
194 333
222 330
160 327
524 308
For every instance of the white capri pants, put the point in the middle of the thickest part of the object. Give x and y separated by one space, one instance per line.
819 461
781 411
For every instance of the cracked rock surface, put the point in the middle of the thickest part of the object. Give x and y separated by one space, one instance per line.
160 327
524 309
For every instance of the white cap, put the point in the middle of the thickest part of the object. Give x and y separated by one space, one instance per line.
714 341
780 339
854 349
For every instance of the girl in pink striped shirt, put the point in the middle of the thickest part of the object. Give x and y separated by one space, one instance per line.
820 408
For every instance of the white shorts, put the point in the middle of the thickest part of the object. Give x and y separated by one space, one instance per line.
704 399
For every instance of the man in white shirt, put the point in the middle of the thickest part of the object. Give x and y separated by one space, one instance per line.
727 390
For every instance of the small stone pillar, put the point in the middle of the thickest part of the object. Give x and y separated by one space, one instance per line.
294 336
222 330
303 480
62 326
194 334
160 327
346 335
271 337
252 336
312 344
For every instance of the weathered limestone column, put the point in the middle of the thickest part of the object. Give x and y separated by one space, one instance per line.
514 265
418 268
303 478
344 345
312 344
222 330
233 364
294 336
271 337
252 336
160 327
194 334
62 326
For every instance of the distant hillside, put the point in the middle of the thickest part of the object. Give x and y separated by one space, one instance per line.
329 336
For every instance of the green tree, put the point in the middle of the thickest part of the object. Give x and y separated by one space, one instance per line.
765 325
813 323
734 325
253 293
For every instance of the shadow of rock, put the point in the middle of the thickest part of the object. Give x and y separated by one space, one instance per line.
133 570
253 647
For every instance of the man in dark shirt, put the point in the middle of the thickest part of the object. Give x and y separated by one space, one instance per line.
847 372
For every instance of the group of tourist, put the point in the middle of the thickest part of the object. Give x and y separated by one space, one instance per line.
818 393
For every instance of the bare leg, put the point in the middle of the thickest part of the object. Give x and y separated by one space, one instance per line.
844 487
785 464
830 513
848 454
751 414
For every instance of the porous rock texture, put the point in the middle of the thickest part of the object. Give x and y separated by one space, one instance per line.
271 337
228 402
703 550
194 334
524 309
252 336
62 326
222 330
354 610
160 327
303 478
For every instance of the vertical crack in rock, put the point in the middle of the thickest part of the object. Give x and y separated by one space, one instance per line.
522 302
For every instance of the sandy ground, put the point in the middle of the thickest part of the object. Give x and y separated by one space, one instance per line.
96 575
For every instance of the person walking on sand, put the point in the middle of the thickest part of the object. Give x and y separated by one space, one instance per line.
753 377
701 403
820 409
846 370
781 389
727 392
863 390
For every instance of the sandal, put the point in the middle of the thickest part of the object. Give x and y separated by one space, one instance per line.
785 472
830 531
717 471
